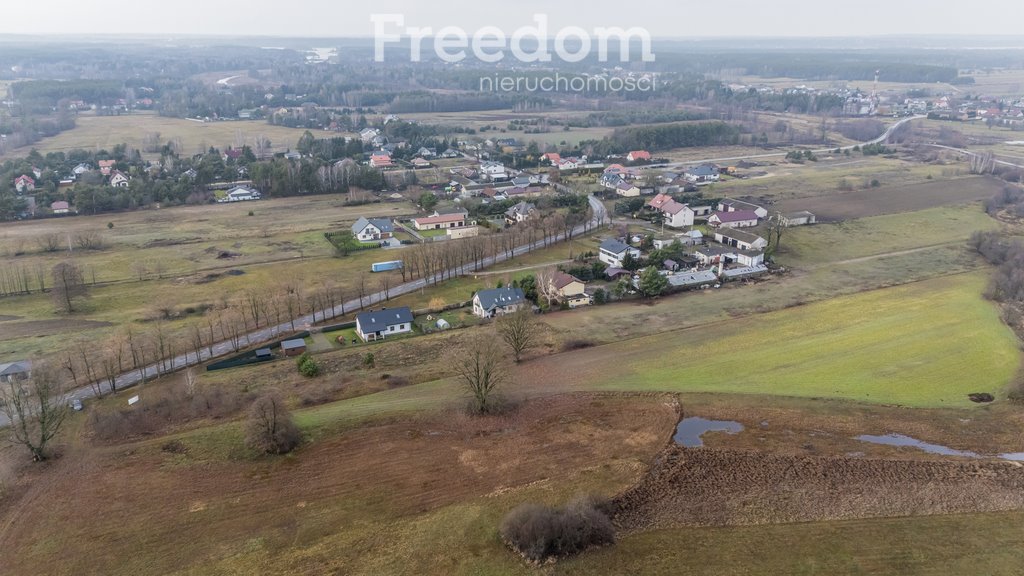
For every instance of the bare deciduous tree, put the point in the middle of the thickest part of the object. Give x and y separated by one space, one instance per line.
36 409
481 371
270 429
68 286
519 330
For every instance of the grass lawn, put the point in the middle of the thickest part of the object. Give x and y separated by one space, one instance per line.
828 243
432 233
925 344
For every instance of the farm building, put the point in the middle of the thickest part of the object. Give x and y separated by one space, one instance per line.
293 347
798 218
730 205
740 239
498 301
736 219
613 252
15 371
368 229
742 272
377 325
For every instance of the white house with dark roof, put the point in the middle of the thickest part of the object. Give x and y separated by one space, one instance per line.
612 252
498 301
369 229
740 239
705 173
379 324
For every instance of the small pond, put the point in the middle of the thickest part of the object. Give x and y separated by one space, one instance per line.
690 430
902 440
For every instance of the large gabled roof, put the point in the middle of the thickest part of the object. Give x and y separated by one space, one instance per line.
494 297
381 319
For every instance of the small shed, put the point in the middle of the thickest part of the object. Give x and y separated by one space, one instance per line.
443 324
264 354
293 347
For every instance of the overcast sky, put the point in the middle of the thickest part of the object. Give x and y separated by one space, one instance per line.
661 18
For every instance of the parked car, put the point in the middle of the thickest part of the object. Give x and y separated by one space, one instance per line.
76 404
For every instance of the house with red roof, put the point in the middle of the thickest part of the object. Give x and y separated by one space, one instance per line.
380 160
106 166
24 183
60 207
637 155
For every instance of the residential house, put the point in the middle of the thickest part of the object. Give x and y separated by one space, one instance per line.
705 173
570 163
60 207
425 152
379 324
81 169
627 190
735 219
637 155
613 252
292 155
451 153
522 181
611 180
420 163
552 157
702 211
24 183
520 213
231 154
730 205
676 215
494 194
368 134
118 179
440 222
570 290
241 194
369 229
493 170
380 160
37 172
15 371
740 239
709 255
498 301
106 166
798 218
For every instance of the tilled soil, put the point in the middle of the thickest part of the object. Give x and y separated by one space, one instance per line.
713 487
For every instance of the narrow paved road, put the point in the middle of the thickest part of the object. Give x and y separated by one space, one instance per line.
268 333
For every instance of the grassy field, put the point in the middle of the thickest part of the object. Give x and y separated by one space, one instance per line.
207 254
103 132
823 244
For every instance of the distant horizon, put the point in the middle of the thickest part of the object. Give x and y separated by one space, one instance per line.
665 20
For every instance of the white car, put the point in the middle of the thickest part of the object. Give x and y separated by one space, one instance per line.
76 404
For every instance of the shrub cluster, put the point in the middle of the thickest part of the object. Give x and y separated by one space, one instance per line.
307 366
541 532
270 429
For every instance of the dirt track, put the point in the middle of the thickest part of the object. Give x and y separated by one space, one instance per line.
712 487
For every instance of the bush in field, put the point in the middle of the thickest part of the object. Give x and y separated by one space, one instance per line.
270 429
541 532
307 366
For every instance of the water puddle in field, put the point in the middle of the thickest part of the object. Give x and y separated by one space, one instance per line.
690 430
902 440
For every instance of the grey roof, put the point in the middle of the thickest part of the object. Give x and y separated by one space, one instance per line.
293 344
382 224
742 235
745 271
494 297
614 246
17 367
692 278
378 320
522 208
703 170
